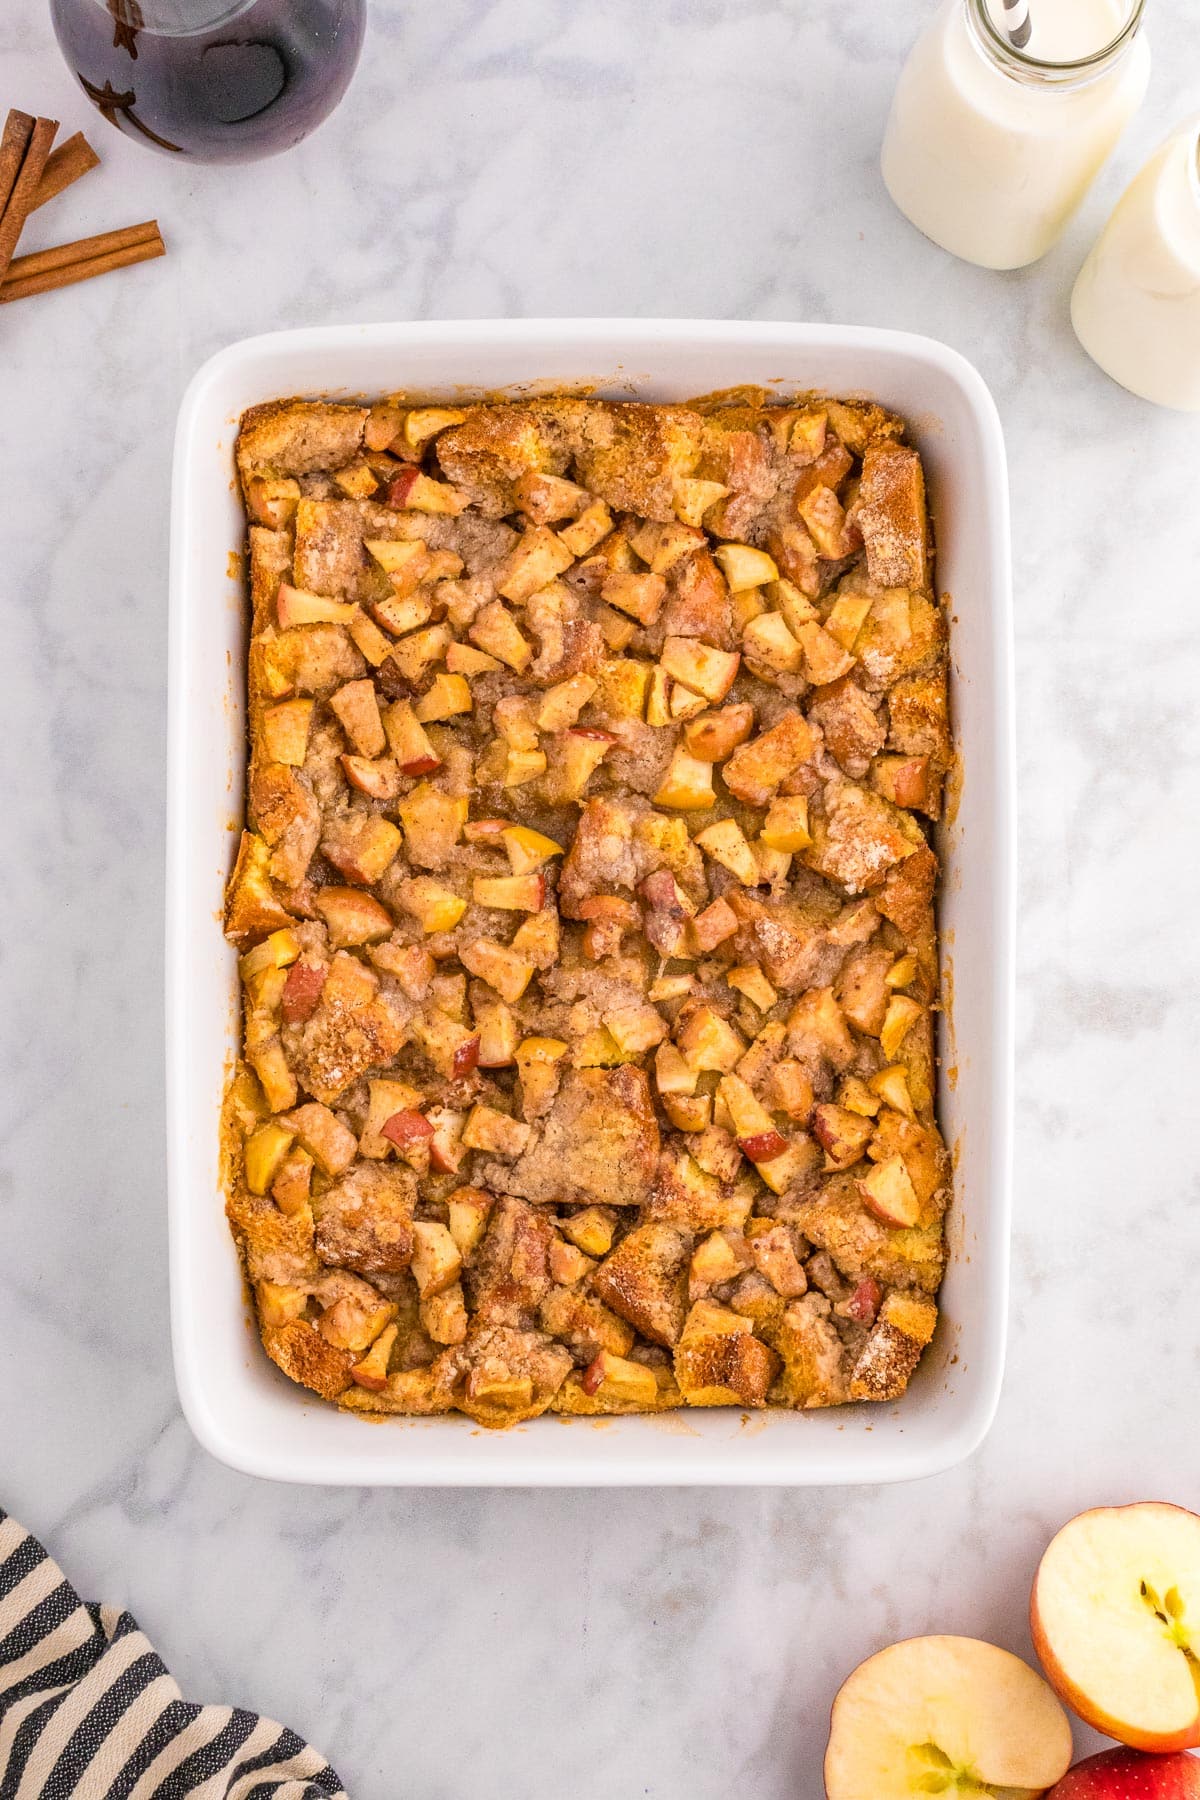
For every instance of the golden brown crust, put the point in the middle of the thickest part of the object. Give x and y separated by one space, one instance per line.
585 905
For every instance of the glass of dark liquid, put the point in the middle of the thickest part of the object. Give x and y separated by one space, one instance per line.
217 80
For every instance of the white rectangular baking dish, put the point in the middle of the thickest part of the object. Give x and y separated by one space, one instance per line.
239 1407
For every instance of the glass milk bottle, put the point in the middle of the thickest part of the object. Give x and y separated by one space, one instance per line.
1136 304
989 147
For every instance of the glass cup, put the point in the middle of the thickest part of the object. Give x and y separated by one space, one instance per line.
217 80
990 148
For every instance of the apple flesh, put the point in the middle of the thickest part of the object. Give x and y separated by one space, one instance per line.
945 1715
1124 1774
1115 1615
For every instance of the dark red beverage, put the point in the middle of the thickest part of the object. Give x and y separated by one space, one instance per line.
218 80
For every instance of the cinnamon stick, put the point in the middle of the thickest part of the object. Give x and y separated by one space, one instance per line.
18 129
20 198
61 256
66 165
23 281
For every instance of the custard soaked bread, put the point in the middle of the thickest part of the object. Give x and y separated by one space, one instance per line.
585 905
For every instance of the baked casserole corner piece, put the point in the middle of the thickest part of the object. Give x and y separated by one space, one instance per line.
585 905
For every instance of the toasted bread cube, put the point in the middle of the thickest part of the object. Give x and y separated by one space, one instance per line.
890 513
755 770
331 1144
433 823
644 1280
719 1361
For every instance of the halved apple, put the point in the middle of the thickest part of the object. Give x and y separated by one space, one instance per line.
1115 1615
945 1715
1124 1774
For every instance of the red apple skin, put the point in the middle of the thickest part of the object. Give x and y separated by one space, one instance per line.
401 486
764 1146
1079 1703
404 1129
1125 1774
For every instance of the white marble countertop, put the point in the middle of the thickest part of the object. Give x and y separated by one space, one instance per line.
694 157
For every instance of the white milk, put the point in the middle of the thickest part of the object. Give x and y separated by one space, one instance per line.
1136 305
988 151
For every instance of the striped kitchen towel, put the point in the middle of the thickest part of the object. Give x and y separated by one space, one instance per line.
88 1710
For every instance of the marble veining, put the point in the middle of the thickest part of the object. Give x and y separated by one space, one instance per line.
703 157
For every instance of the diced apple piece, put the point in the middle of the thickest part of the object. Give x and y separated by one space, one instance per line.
904 780
509 974
726 843
404 560
902 972
402 615
499 1034
641 596
294 606
279 1304
528 850
902 1015
658 698
673 1074
767 641
425 422
495 630
468 1210
592 1229
437 1261
791 1089
714 1260
635 1028
302 992
371 1371
414 654
888 1192
547 498
352 917
368 639
857 1097
842 1134
357 710
687 785
581 751
755 770
510 893
435 908
825 517
708 1041
789 1166
562 704
331 1144
692 499
278 951
445 1149
285 731
616 1378
411 1133
668 911
847 617
447 696
715 736
407 739
387 1100
264 1154
379 779
273 502
356 481
699 667
536 559
432 823
744 567
465 659
749 979
589 529
494 1131
748 1115
424 494
824 659
364 853
713 926
786 824
891 1085
688 1112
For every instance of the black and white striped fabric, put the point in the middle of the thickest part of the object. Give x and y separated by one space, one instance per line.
89 1712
